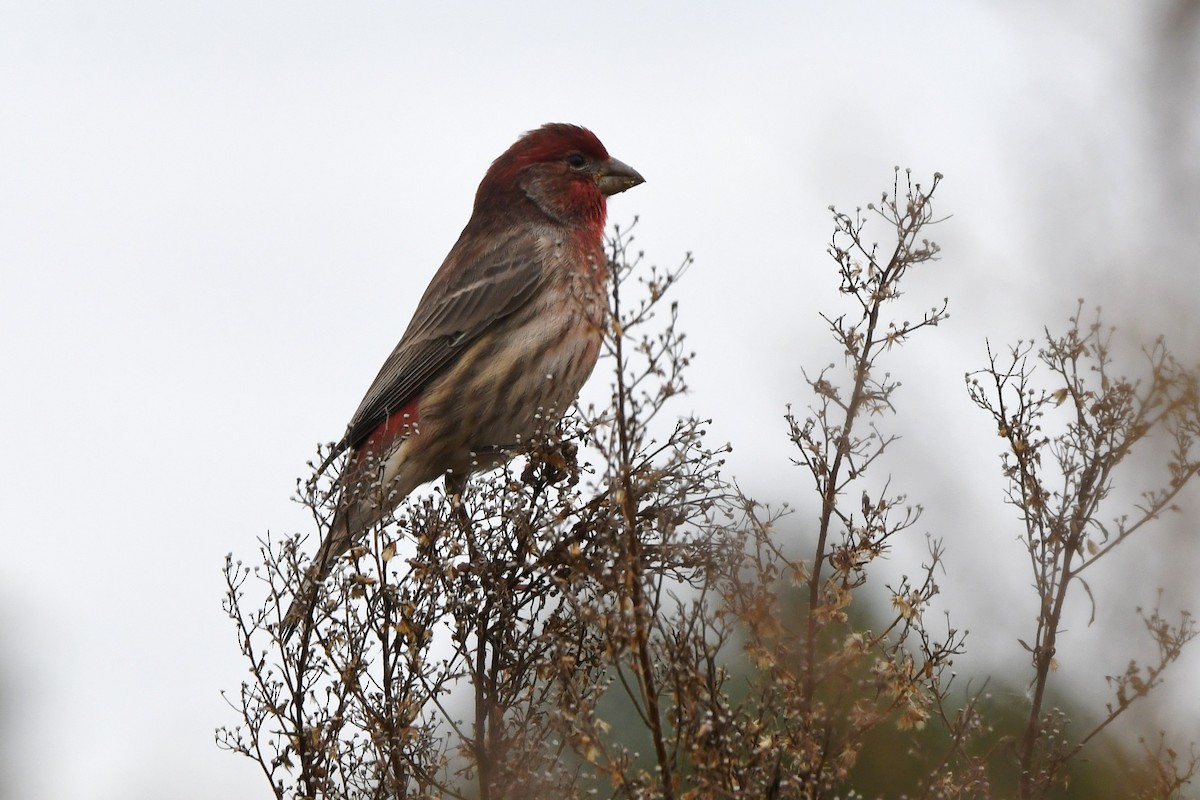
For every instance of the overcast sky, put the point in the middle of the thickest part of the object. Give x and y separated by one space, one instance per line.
217 217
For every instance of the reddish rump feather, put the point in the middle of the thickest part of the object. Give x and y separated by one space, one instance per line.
379 442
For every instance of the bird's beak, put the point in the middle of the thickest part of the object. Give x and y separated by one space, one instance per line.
614 177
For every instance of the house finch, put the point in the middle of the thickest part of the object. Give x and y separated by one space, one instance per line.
503 338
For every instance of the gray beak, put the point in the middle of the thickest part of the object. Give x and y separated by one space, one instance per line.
614 177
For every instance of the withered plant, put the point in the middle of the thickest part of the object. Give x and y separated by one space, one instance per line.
609 615
1069 437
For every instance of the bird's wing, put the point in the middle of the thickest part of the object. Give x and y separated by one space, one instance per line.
470 292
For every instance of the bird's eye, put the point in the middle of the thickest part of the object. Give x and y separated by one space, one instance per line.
576 161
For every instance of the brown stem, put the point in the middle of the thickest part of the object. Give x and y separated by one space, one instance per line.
483 700
479 746
862 370
633 566
1094 477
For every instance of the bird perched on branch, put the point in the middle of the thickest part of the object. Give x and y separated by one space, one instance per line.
503 339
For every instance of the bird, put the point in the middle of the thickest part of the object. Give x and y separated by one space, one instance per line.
502 340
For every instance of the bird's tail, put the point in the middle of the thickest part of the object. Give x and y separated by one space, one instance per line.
336 542
364 500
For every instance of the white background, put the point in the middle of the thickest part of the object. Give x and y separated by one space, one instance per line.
216 218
